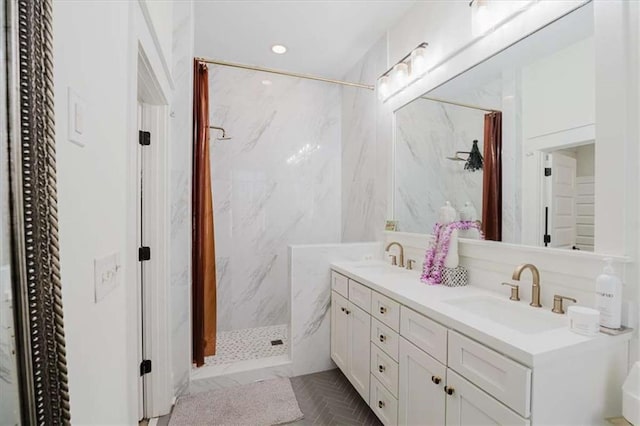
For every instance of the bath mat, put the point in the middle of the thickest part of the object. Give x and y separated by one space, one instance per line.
271 402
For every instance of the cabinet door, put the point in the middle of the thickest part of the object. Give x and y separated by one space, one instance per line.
339 331
421 396
469 405
359 349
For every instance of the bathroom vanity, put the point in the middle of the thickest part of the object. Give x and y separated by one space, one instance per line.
434 355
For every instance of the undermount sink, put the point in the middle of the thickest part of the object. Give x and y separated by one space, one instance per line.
509 314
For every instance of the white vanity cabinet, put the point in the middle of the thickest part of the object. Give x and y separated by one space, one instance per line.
421 387
468 405
413 370
350 332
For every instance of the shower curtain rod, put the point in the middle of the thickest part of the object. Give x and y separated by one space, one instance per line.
460 104
286 73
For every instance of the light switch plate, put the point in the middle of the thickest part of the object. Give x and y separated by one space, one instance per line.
106 276
77 119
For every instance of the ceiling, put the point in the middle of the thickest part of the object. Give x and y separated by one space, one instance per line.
324 38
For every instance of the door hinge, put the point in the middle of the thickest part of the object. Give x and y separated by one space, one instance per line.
144 138
145 367
144 253
547 171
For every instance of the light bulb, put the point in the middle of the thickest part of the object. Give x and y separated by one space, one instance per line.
418 62
384 88
399 76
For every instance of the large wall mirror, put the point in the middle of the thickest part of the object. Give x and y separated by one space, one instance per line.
528 113
33 366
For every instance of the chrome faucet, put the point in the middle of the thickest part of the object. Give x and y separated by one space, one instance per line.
535 289
400 261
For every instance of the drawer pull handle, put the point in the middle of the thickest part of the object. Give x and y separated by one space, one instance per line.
448 390
436 380
383 338
381 404
381 368
383 310
343 309
348 312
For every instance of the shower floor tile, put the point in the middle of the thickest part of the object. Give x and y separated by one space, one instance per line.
250 343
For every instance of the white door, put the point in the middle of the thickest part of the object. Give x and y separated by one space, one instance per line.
339 331
421 394
359 349
469 406
562 203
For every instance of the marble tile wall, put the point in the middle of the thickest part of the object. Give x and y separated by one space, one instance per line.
180 194
428 132
310 280
275 183
309 285
365 150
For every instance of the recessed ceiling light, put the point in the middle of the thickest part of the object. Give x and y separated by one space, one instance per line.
267 82
279 49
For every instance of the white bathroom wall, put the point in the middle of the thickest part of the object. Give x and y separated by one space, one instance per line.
364 183
275 183
558 91
90 45
161 14
180 193
95 54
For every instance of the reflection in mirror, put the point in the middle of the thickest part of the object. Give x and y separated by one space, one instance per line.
537 185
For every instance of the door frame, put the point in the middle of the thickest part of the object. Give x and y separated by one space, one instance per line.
152 309
149 81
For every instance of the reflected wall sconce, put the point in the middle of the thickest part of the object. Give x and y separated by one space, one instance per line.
403 73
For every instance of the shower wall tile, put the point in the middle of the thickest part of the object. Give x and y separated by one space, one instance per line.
275 183
365 156
310 281
427 133
180 194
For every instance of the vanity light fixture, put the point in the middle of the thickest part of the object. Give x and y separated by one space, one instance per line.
403 73
279 49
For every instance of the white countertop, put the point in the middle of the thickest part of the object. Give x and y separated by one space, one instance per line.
531 349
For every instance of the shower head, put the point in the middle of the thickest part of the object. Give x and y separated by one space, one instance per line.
456 156
224 136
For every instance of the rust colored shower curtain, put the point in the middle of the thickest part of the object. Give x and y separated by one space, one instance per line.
203 294
492 177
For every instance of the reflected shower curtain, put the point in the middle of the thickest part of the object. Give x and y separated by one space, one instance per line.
492 177
203 295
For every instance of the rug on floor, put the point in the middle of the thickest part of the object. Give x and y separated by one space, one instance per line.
271 402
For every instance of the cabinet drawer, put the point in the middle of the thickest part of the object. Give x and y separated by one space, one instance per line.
385 310
384 338
360 295
426 334
506 380
340 284
383 403
384 369
468 405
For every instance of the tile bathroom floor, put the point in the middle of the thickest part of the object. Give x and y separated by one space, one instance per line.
249 343
326 398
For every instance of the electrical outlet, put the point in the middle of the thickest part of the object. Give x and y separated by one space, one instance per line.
106 275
